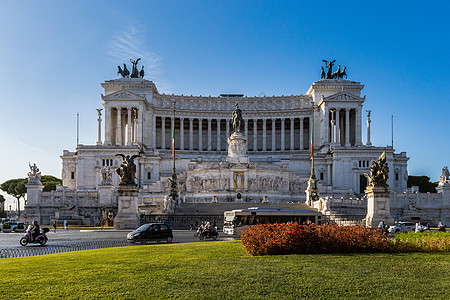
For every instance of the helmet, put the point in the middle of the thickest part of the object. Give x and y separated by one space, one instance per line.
35 222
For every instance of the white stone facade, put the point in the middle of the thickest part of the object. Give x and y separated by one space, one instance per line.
276 165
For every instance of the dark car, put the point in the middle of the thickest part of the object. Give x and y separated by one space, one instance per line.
151 232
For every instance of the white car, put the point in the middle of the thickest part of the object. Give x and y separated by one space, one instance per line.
402 227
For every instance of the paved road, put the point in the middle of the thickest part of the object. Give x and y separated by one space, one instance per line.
63 238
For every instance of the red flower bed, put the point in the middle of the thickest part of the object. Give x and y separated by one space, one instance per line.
293 238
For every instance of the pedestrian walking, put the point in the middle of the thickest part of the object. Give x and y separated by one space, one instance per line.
54 226
66 227
102 223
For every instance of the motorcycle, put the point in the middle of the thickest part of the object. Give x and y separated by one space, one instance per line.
209 234
28 237
199 230
442 228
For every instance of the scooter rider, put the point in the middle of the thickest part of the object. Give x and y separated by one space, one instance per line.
35 230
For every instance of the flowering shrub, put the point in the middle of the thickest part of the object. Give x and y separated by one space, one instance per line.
295 239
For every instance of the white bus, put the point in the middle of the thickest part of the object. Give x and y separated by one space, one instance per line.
237 220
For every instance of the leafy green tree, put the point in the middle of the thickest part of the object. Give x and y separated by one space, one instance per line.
15 188
423 182
50 182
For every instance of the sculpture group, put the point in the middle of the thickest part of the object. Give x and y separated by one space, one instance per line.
134 71
379 172
339 74
127 170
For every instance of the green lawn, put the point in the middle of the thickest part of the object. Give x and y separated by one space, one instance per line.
223 270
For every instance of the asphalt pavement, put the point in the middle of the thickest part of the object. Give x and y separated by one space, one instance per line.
64 238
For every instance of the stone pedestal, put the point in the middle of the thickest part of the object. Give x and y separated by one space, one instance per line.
32 208
237 148
105 195
378 206
128 215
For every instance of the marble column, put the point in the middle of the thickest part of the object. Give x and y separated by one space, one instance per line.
181 133
99 139
129 125
338 127
329 173
200 135
209 134
218 135
255 135
154 131
227 131
191 134
283 135
108 125
264 137
358 124
369 143
292 135
119 126
273 135
246 128
163 132
347 127
301 134
326 126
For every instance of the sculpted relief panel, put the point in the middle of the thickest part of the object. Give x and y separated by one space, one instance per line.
197 183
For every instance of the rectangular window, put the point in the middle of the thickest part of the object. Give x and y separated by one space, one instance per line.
72 175
360 164
396 176
149 175
321 176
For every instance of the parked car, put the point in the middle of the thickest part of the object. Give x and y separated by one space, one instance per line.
402 227
151 232
15 226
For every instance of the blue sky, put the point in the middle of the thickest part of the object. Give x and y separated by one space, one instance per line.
55 54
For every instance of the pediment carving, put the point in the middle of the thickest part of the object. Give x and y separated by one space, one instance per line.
123 95
343 96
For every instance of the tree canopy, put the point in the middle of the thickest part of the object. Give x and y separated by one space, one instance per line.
423 182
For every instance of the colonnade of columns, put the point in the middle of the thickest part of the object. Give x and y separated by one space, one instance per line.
344 126
123 125
211 134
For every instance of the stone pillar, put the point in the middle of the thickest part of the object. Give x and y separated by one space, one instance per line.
378 206
119 126
163 132
181 133
358 129
301 134
108 125
332 133
218 135
209 134
200 135
32 209
255 134
283 135
128 215
140 134
347 127
326 126
264 137
246 129
154 131
338 127
329 173
99 140
191 134
227 129
292 135
273 135
369 143
129 125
